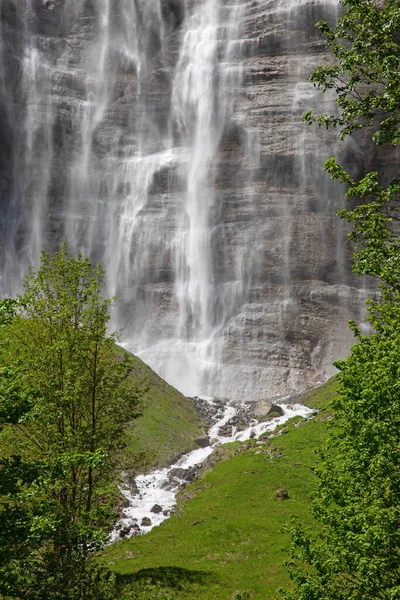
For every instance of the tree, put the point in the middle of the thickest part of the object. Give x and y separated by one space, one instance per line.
366 79
65 398
355 555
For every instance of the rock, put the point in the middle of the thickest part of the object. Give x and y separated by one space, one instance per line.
124 532
276 409
280 321
262 408
146 522
188 475
129 479
282 494
265 409
203 442
156 509
178 473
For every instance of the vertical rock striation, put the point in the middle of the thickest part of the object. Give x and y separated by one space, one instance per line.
164 139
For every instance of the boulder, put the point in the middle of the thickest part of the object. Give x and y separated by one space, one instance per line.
276 408
129 478
146 522
203 442
124 532
156 509
282 494
266 409
188 475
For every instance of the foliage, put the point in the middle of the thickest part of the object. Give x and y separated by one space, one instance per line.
354 555
365 75
366 79
64 401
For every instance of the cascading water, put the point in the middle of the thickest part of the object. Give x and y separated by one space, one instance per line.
163 139
153 497
204 86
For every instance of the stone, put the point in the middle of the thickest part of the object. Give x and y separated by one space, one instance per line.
156 509
203 442
146 522
129 478
179 473
276 409
124 532
279 287
188 475
282 494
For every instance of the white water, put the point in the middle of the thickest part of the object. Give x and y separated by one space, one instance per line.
158 488
163 138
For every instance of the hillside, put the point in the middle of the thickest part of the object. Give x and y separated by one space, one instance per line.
168 426
226 537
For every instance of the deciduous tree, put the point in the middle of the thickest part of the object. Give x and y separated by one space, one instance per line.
65 398
354 555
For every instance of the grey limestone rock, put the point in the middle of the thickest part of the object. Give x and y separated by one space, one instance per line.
279 284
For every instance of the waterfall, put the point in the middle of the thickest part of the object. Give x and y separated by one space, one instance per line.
163 139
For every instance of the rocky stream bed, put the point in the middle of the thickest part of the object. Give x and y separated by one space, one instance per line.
151 498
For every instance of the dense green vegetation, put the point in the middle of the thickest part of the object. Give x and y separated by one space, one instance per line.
167 427
226 538
63 404
355 554
69 400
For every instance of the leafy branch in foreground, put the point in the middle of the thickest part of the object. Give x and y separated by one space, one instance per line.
365 43
365 76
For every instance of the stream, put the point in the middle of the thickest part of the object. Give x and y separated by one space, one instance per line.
152 498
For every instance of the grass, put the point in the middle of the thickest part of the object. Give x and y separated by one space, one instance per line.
226 537
168 426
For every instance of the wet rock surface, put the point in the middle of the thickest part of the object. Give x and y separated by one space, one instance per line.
278 264
245 414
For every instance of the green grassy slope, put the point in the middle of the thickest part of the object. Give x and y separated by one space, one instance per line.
168 426
226 536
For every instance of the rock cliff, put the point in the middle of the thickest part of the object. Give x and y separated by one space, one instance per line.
164 139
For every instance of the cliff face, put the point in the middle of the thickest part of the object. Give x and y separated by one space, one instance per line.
164 138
